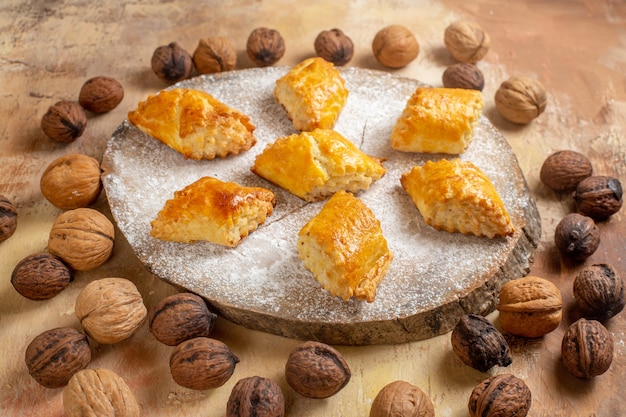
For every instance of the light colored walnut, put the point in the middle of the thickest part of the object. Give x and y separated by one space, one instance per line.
71 181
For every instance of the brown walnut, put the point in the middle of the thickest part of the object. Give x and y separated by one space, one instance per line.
521 99
395 46
599 197
214 54
530 307
82 238
466 41
202 363
110 310
463 75
64 121
99 392
181 317
479 344
171 63
316 370
334 46
500 395
265 46
71 181
587 349
101 94
599 292
8 218
55 355
563 170
576 236
401 399
256 396
40 276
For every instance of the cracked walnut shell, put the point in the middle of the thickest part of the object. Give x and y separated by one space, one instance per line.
71 181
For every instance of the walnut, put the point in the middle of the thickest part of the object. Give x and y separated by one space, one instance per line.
316 370
55 355
99 392
587 349
479 344
171 63
521 99
265 46
500 395
599 197
8 218
214 54
334 46
101 94
463 75
256 396
71 181
576 236
466 41
40 276
64 121
563 170
395 46
202 363
599 292
401 399
83 238
110 310
530 307
181 317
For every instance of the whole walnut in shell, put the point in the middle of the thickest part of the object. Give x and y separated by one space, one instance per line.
599 196
265 46
8 218
82 238
171 63
101 94
395 46
563 170
64 121
334 46
71 181
99 392
599 291
463 75
499 396
401 399
214 54
587 349
40 276
256 396
576 236
110 309
467 41
479 344
521 99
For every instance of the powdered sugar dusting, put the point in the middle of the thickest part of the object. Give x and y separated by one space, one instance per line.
263 274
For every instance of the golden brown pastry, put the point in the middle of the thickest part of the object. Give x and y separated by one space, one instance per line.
313 94
314 165
457 196
194 123
344 247
438 120
213 210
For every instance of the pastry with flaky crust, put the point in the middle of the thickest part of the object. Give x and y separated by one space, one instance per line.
313 94
215 211
344 247
314 165
457 196
438 120
194 123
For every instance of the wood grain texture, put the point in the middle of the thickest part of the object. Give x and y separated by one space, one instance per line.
48 49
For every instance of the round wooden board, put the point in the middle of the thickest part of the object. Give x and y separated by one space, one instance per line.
434 279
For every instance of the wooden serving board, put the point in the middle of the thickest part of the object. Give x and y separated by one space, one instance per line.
434 279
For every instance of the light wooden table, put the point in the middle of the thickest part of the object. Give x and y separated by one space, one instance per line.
47 50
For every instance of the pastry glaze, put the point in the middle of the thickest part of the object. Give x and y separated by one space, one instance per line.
194 123
215 211
437 120
314 165
457 196
313 94
344 247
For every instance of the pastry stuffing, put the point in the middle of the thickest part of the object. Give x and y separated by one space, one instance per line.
344 247
194 123
438 120
215 211
314 165
313 94
457 196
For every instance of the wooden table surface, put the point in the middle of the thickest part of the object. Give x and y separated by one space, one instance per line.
577 49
